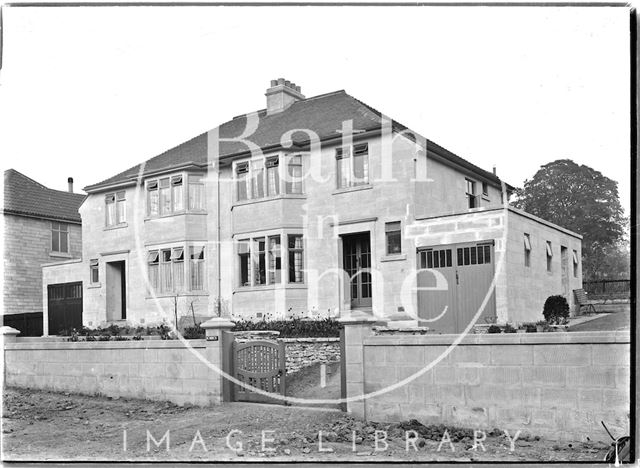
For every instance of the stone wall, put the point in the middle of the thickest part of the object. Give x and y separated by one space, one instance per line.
303 352
27 244
150 369
557 385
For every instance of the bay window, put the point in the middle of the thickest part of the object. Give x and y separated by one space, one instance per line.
259 264
294 175
275 264
166 269
261 259
177 193
295 259
166 196
196 193
273 177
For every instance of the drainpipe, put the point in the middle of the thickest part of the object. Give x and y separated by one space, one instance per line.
219 298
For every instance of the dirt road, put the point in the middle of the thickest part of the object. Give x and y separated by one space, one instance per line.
41 426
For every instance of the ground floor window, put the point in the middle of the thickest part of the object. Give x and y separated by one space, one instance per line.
261 259
94 272
167 269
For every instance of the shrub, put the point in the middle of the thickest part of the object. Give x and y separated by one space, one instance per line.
494 329
193 333
294 327
530 327
556 310
509 329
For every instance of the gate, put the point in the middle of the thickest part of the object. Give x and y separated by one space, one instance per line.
65 306
260 364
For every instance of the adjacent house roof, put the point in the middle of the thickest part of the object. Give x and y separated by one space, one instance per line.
322 114
25 196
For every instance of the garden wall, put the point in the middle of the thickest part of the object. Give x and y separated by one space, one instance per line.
556 385
150 369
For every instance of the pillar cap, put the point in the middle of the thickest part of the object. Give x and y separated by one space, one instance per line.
358 318
217 323
9 331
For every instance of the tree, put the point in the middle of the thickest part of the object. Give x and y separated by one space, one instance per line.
582 200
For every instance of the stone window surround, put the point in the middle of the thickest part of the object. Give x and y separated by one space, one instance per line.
185 194
284 259
186 291
283 160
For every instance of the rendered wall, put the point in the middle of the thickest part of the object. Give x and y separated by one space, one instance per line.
155 370
557 385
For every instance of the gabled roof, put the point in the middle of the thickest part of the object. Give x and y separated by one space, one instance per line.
25 196
322 114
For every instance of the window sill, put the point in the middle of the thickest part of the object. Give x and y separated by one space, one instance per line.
294 196
179 295
116 226
173 215
60 254
269 287
355 188
94 286
393 257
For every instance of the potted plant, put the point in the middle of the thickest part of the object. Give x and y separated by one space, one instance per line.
508 328
541 325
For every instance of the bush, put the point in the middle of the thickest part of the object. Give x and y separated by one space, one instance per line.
509 329
193 333
556 310
294 327
494 329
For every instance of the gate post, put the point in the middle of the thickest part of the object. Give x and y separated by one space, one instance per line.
217 353
356 329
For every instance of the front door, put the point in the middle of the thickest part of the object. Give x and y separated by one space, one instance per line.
116 291
356 250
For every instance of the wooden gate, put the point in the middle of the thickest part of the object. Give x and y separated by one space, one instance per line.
260 364
64 306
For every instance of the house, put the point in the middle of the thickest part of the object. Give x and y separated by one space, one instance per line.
41 225
318 206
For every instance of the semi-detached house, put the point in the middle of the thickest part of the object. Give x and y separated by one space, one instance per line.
314 206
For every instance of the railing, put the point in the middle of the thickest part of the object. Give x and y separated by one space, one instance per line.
608 287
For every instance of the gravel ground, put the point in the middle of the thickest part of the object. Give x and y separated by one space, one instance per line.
40 426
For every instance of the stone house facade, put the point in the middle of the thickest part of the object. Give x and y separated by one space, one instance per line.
314 206
41 226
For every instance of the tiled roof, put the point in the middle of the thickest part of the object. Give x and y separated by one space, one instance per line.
322 114
25 196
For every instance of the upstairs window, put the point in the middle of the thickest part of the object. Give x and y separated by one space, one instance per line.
94 272
242 181
471 193
257 178
394 237
294 175
115 208
575 263
549 256
166 196
485 189
60 237
352 165
273 176
527 250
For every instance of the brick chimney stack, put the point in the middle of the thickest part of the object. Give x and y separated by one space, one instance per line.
281 95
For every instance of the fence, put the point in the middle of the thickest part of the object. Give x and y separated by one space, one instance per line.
608 287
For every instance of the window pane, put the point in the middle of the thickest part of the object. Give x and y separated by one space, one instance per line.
178 193
275 264
361 169
244 252
430 259
121 215
242 186
64 241
196 267
165 197
467 258
295 259
196 193
55 241
394 245
165 271
111 216
480 255
448 257
343 172
259 265
460 260
487 254
257 175
473 255
153 203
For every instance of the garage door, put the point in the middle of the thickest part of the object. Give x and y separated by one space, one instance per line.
65 306
458 278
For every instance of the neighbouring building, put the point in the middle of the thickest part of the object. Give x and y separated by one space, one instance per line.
41 225
314 206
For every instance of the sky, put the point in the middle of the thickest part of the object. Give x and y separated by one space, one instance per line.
89 92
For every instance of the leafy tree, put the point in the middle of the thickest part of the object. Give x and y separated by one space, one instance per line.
583 200
556 310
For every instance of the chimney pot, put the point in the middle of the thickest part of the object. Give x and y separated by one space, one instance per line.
494 170
274 83
287 83
70 182
280 81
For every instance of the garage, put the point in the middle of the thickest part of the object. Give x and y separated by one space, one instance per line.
65 306
453 281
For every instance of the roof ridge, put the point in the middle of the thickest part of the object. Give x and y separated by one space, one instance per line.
301 101
26 177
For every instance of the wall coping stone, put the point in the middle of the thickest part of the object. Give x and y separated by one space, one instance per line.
79 345
328 339
502 338
10 331
217 323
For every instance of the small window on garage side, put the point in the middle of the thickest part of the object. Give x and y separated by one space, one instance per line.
575 263
393 233
527 250
94 272
549 256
